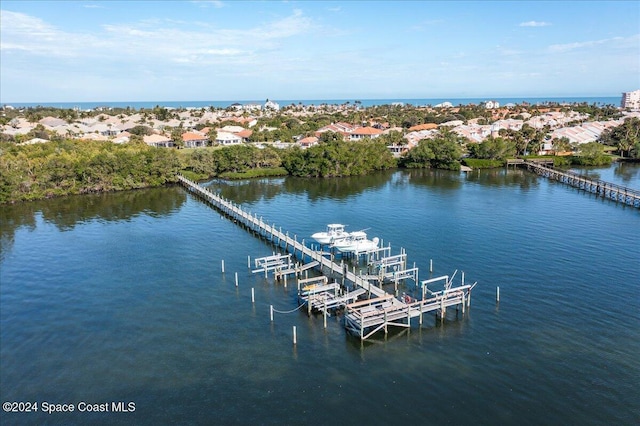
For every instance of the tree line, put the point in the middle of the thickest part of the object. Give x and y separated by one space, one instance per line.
68 166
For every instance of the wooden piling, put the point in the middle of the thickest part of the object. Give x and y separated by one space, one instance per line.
271 312
253 295
223 266
295 337
325 314
236 279
497 294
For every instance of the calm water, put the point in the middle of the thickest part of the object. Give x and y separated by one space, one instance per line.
598 100
120 297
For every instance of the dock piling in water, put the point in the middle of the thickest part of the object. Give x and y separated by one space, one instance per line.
363 317
611 191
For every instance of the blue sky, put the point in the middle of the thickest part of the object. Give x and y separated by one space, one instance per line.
74 51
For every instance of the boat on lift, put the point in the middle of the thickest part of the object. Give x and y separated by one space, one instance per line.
335 232
356 242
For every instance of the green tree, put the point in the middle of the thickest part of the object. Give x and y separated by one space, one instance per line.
562 144
176 136
212 136
493 149
419 156
592 154
624 137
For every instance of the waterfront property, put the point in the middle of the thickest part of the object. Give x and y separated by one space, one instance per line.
119 296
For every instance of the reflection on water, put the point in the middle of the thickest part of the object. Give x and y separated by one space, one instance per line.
627 172
622 173
121 297
66 212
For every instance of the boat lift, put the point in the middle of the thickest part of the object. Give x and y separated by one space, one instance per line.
275 262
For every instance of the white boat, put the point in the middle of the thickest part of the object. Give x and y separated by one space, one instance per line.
335 232
356 242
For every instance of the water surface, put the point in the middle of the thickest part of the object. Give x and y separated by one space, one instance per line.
121 297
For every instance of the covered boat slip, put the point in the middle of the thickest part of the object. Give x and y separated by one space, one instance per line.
319 295
367 317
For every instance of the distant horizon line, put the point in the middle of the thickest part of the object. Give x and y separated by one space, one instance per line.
324 100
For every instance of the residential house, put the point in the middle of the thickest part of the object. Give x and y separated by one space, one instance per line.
364 132
194 140
104 129
252 106
271 105
308 141
245 134
51 122
426 126
227 138
158 141
231 129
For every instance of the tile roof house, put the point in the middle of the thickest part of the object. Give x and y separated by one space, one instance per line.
426 126
232 129
245 134
364 132
194 140
308 141
52 122
104 129
343 128
158 141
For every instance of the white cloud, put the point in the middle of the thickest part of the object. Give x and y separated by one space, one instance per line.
206 3
422 26
147 40
534 24
25 33
561 48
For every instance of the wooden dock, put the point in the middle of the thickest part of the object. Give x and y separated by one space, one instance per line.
367 317
598 187
363 318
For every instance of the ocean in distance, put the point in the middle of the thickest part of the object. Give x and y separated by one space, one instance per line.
120 297
601 101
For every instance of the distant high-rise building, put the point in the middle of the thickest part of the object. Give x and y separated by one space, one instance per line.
631 100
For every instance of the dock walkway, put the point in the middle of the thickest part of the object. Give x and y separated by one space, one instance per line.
269 231
598 187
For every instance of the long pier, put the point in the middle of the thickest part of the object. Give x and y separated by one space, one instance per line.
362 318
599 187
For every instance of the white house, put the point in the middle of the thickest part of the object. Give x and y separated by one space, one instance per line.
252 106
271 105
226 138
